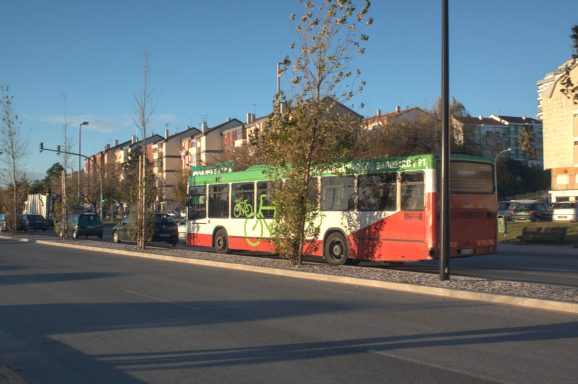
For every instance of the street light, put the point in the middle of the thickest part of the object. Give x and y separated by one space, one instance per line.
285 63
500 153
80 153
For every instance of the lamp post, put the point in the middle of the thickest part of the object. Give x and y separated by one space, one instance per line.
285 63
500 153
496 168
80 153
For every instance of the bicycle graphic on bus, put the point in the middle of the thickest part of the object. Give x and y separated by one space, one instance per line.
256 224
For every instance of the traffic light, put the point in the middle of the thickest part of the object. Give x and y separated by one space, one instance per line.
58 149
41 147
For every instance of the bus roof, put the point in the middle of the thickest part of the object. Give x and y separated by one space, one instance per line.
220 174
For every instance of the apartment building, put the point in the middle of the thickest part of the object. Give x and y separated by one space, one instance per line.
515 127
483 135
207 146
408 116
167 166
560 118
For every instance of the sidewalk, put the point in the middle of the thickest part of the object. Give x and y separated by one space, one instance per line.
543 249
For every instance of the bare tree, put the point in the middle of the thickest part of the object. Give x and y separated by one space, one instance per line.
144 104
13 149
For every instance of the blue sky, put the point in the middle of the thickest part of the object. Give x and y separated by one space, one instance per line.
216 59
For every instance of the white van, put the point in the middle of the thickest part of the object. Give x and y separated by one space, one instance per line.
565 211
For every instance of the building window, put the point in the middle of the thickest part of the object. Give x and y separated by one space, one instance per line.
562 180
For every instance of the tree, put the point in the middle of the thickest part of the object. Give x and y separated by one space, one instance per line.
180 187
568 87
528 141
132 169
516 178
143 102
13 148
411 136
312 132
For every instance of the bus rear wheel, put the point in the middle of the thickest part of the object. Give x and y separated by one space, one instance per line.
221 242
335 249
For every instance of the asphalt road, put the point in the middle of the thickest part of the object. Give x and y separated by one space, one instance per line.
69 316
528 263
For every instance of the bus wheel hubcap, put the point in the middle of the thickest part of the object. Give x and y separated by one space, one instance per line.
337 250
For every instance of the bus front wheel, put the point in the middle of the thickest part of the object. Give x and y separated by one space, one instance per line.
221 242
335 249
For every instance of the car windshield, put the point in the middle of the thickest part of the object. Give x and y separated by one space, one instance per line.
89 220
163 218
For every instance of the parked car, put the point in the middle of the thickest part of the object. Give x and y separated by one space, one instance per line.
84 224
36 222
529 210
183 229
164 229
3 222
565 211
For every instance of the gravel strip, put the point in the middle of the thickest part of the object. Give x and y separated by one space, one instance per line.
500 287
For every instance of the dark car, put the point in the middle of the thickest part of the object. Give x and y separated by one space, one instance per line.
84 224
3 222
529 210
36 222
163 229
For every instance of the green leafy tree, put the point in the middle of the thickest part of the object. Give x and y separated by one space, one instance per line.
516 178
311 131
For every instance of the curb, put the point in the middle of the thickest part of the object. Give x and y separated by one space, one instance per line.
526 302
21 239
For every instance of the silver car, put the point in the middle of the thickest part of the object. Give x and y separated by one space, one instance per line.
565 211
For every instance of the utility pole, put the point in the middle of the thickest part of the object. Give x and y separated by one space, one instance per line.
80 154
445 149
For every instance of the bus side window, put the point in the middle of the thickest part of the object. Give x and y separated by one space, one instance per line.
219 201
412 191
265 199
197 203
378 192
243 204
338 193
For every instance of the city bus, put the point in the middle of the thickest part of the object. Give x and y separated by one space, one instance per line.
379 210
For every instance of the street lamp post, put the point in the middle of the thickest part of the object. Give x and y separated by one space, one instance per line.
285 63
80 153
496 168
500 153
